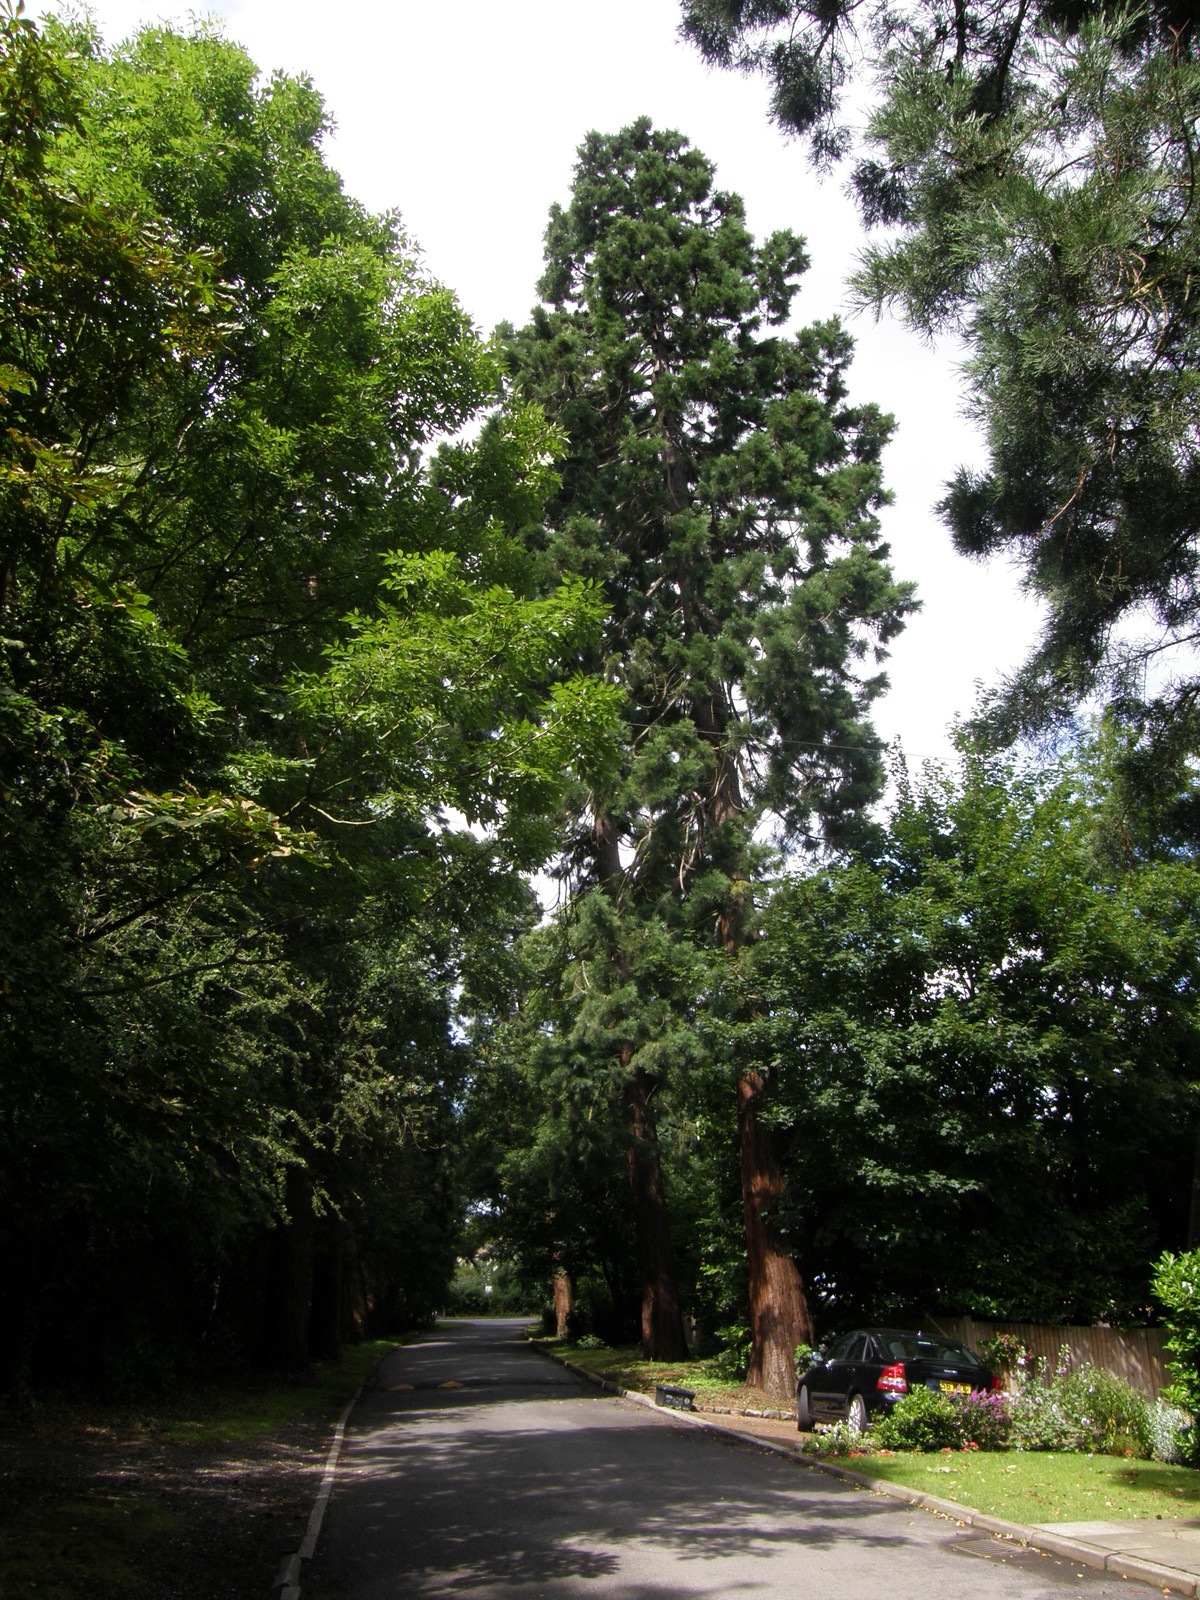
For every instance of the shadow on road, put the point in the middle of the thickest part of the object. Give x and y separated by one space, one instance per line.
524 1475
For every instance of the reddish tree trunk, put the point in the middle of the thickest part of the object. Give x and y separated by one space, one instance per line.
779 1314
662 1321
564 1303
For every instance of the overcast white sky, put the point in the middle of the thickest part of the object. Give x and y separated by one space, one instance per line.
466 118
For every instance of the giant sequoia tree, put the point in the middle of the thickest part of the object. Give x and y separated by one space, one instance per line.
1036 161
719 486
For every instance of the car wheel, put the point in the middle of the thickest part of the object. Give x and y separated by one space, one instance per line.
856 1414
804 1417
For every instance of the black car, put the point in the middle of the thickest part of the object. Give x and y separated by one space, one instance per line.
866 1372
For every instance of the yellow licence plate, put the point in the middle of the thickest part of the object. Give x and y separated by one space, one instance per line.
954 1388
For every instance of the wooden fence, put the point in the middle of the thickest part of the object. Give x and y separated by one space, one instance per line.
1136 1354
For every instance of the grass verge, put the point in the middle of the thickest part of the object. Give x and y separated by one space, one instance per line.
1038 1486
624 1366
234 1412
231 1416
66 1547
96 1498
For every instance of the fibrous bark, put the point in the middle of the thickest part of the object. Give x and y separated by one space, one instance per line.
564 1303
779 1314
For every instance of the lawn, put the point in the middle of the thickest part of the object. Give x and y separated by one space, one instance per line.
1037 1486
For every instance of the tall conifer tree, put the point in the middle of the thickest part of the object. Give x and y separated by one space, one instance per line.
719 485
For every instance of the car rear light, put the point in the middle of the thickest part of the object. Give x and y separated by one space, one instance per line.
892 1379
997 1382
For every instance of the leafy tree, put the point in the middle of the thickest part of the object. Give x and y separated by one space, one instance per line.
986 1040
720 488
1035 163
256 642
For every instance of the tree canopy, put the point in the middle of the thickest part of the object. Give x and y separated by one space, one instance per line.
260 642
1034 168
324 623
986 1041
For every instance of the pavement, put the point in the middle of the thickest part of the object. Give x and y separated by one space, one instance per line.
1163 1551
476 1469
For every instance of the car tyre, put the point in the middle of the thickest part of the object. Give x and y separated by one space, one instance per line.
856 1414
804 1416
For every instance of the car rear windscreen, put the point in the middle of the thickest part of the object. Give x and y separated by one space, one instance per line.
943 1350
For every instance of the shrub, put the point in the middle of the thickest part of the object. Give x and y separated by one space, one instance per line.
985 1419
591 1341
1040 1420
922 1420
1108 1413
1166 1432
1084 1409
1004 1352
1176 1282
484 1289
731 1362
840 1440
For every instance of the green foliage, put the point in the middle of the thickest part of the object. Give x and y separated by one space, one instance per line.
720 488
484 1289
733 1358
985 1420
1176 1286
990 1110
1168 1431
1035 164
1083 1408
839 1440
1004 1352
258 638
920 1420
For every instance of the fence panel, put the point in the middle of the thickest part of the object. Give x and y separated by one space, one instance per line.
1135 1354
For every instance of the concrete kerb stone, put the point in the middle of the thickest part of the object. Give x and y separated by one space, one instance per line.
1078 1550
287 1579
288 1575
1151 1572
1058 1544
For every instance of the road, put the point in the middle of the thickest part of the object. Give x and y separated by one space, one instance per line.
525 1482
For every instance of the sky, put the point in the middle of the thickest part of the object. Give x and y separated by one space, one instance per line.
466 118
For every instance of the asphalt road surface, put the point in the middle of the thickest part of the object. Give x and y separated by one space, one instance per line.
525 1482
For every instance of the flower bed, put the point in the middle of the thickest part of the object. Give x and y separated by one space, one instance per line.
1074 1409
